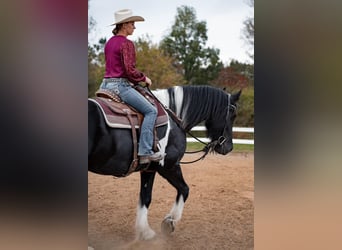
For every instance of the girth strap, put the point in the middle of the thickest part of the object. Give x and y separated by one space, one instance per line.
134 163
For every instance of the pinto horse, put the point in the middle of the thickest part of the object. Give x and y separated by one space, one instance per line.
110 150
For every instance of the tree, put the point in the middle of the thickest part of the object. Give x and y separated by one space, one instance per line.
238 76
248 30
155 64
235 76
96 62
244 69
186 43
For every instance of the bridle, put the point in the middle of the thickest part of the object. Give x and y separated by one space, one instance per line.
210 147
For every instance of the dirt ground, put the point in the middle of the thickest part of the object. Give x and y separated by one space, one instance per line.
218 214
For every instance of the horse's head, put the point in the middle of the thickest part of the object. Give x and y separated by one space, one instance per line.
220 126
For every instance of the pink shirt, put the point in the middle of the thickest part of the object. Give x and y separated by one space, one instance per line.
120 60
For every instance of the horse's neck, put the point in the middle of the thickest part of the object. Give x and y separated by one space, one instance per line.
190 118
195 109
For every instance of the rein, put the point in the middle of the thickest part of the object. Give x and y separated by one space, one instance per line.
209 147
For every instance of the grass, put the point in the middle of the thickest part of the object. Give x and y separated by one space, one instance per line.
193 146
243 148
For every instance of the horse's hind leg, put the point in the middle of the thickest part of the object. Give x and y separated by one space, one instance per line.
175 177
143 230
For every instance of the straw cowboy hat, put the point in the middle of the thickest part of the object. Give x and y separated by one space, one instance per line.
126 15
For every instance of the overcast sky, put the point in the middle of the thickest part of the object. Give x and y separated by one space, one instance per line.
224 20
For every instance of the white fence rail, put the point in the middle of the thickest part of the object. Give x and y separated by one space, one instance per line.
235 129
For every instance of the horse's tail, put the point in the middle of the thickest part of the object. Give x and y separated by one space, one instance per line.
94 119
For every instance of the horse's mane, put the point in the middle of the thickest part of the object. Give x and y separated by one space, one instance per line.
202 103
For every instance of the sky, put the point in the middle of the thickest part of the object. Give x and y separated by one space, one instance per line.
224 20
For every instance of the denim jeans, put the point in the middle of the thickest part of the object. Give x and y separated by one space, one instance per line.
129 95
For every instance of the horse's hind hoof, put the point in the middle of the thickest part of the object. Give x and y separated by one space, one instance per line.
168 225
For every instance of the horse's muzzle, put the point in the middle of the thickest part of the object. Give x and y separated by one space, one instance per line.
224 148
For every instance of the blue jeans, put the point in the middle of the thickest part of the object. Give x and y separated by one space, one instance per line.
129 95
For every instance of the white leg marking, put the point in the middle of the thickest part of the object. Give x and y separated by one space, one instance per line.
177 209
143 230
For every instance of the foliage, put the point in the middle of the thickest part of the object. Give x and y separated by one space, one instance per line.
238 76
244 69
230 79
186 43
235 76
96 67
156 65
245 111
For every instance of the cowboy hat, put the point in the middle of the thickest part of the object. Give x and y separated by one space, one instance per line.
126 15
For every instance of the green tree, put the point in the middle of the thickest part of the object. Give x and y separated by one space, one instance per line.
187 44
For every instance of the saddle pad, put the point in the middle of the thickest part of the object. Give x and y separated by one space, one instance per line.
116 117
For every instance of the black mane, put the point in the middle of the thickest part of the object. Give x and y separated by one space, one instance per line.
202 103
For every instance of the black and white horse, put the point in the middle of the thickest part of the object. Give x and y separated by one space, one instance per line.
110 150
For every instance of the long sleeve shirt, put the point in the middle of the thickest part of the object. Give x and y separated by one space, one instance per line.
120 60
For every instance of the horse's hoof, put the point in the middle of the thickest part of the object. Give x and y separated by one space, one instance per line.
168 225
146 235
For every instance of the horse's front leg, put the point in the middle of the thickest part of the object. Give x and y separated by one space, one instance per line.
143 230
175 177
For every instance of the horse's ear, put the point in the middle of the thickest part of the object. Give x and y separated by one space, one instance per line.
235 97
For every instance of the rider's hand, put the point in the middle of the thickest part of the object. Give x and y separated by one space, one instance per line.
148 81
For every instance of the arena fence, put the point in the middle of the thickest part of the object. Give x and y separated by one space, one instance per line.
235 129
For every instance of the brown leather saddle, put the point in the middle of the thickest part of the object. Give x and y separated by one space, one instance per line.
117 112
120 115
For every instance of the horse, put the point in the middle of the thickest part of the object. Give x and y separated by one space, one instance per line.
110 150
